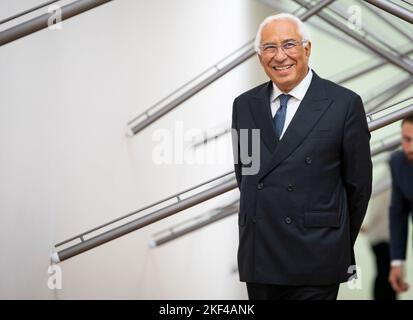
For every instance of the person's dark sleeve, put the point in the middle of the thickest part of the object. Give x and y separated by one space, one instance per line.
235 144
356 164
399 212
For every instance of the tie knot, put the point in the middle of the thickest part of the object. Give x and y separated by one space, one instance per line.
284 99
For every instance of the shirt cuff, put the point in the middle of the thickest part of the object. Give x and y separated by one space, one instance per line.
397 263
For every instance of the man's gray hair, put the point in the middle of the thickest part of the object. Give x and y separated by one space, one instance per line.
302 29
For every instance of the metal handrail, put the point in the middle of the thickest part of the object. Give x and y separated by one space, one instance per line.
178 197
335 34
386 144
162 107
368 66
193 224
208 135
20 14
191 201
368 114
41 22
393 8
377 111
141 222
390 118
386 95
383 16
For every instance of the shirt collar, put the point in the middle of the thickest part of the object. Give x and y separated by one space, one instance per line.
298 91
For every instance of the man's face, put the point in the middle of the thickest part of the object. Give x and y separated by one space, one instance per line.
279 32
407 140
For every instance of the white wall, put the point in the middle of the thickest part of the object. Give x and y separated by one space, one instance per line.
66 165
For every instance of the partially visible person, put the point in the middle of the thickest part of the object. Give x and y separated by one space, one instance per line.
376 229
401 206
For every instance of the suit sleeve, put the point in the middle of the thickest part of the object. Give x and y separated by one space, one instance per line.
399 211
235 144
356 164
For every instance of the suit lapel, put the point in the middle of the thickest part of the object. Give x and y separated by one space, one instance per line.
261 113
312 107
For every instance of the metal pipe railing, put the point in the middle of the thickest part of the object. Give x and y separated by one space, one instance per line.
387 144
335 34
368 66
404 65
162 107
389 118
193 224
380 158
191 201
20 14
177 197
201 81
368 114
141 222
384 95
390 22
393 8
209 135
41 22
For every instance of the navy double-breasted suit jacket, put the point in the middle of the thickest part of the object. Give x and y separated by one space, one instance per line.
300 214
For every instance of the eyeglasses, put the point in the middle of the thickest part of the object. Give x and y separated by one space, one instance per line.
289 47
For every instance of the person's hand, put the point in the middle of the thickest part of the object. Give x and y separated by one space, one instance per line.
396 279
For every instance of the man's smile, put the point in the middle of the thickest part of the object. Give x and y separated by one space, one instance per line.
280 68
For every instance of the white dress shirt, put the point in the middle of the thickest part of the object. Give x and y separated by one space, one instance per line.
397 263
297 95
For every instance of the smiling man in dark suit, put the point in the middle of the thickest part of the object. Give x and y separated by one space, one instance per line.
301 213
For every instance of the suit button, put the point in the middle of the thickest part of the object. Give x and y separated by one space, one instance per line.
308 160
260 186
288 220
290 188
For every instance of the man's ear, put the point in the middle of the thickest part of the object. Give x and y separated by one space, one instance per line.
260 58
307 49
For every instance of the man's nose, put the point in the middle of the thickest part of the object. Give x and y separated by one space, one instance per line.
279 55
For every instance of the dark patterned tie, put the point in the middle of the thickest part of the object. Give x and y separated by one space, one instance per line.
279 117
